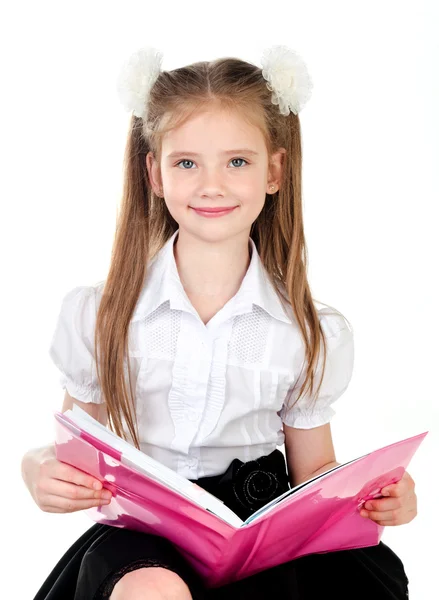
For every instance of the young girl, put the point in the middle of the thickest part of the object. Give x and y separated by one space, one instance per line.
203 345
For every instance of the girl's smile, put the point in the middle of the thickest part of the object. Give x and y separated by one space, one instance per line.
213 212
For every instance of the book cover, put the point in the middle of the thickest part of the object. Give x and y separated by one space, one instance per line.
319 515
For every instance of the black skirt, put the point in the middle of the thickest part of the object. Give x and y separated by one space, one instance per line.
93 565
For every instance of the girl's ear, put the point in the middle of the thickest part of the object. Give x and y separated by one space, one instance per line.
275 170
154 174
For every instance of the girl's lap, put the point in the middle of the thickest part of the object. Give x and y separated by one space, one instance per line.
361 573
345 574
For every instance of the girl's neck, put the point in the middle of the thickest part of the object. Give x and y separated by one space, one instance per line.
214 270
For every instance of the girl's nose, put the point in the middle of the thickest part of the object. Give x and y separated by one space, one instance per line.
212 184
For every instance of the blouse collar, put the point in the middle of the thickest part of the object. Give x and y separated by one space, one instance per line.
163 284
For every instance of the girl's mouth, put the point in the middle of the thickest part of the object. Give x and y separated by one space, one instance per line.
217 211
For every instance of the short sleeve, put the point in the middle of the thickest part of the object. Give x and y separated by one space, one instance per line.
307 412
72 345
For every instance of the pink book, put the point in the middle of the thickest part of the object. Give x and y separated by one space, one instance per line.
319 515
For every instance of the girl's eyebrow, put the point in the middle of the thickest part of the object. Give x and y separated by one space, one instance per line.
238 151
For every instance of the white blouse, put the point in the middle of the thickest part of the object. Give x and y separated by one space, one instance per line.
206 394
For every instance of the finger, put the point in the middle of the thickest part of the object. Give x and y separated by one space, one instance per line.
395 490
66 472
403 486
387 523
68 505
408 479
383 504
65 489
375 515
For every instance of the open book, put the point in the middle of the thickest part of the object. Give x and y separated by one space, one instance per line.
319 515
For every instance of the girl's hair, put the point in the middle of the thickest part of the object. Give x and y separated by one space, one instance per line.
144 223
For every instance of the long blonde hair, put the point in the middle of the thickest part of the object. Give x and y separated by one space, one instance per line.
144 223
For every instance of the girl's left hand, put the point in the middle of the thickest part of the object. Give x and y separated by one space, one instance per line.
400 507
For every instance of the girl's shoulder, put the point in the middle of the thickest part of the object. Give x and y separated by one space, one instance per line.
331 319
86 290
82 299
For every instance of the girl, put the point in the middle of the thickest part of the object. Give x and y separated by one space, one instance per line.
202 345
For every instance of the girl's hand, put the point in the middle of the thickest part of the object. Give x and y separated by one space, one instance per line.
58 487
400 507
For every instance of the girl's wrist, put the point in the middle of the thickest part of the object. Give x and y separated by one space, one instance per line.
33 458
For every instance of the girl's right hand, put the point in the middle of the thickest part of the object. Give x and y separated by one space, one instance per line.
59 487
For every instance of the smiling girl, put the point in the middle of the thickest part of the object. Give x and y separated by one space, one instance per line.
204 346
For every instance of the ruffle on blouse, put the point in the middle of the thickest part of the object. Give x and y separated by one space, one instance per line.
307 412
72 345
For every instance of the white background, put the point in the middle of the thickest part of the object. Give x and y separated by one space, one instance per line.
370 151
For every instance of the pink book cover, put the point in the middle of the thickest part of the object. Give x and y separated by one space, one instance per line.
318 516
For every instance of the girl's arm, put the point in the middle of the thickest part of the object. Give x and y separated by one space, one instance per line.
36 455
57 487
308 452
97 411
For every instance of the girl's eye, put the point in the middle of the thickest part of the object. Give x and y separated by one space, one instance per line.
190 161
183 161
239 159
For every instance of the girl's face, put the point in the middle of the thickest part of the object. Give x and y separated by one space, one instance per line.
215 160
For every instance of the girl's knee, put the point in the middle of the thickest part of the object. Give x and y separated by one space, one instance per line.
152 583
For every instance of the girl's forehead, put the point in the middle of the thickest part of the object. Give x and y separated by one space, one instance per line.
225 129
